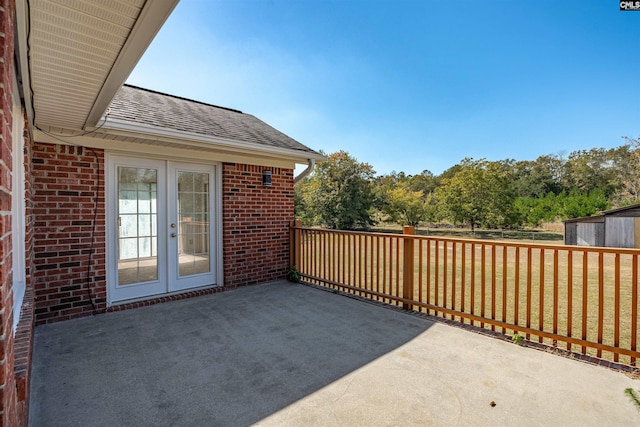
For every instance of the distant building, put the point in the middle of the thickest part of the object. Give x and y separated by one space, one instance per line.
615 228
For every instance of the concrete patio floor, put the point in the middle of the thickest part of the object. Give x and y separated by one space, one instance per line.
286 354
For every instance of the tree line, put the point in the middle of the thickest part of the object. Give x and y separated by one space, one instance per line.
343 193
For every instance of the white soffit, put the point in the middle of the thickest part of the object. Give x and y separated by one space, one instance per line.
82 51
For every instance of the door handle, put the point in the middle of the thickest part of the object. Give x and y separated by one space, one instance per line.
173 234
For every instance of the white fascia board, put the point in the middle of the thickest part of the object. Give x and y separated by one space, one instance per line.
149 22
164 151
138 130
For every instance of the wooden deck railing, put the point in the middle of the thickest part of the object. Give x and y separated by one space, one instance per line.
583 297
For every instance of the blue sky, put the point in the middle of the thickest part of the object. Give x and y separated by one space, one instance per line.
411 85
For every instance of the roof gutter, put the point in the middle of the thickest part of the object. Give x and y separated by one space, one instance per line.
304 173
22 58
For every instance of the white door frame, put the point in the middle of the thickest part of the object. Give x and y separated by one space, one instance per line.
163 286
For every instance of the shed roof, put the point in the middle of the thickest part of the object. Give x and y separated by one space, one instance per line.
600 217
151 108
625 208
592 218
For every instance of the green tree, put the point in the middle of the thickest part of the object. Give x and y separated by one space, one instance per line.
577 205
424 182
301 208
587 170
534 211
406 207
628 174
383 185
339 193
479 194
539 177
563 206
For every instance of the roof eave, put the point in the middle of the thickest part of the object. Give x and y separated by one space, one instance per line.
161 134
151 19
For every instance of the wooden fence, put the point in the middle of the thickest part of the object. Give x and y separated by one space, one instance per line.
585 298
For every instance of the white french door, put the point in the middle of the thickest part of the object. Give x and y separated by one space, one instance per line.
160 234
190 238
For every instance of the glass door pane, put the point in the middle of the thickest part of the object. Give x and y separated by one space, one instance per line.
193 223
137 225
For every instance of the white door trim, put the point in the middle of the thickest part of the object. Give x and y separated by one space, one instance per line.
18 209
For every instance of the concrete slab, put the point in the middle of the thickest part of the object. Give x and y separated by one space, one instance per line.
284 354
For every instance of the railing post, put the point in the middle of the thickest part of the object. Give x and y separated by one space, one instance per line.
294 244
407 267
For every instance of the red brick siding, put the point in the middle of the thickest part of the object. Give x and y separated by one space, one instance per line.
8 395
255 228
29 218
68 185
255 224
23 351
24 333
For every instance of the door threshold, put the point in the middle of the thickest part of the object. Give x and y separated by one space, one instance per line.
158 299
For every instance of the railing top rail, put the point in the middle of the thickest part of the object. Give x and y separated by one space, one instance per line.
574 248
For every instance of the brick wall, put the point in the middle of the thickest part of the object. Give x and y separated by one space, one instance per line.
255 229
69 249
8 395
23 345
255 224
29 218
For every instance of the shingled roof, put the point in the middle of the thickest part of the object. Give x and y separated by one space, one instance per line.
147 107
